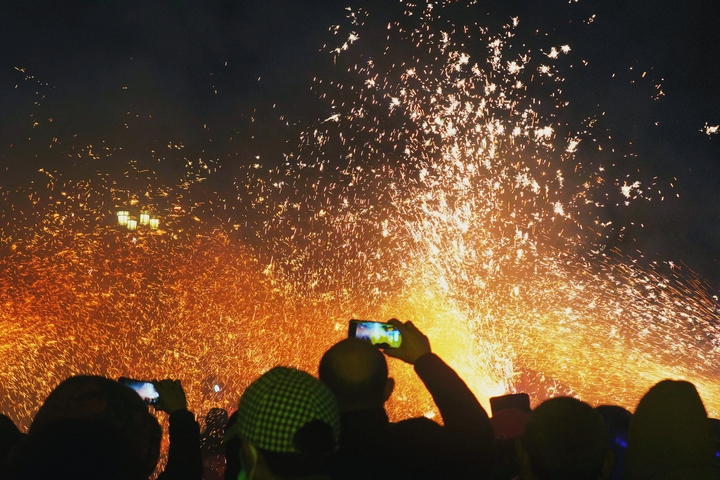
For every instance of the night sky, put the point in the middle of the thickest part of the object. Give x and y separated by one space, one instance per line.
230 80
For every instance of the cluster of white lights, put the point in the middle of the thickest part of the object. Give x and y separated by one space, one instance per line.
124 219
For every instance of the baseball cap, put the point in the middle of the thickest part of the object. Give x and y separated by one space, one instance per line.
279 403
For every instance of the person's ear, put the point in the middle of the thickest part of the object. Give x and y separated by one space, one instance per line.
608 464
389 387
249 456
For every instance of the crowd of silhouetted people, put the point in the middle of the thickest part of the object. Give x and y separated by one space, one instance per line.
292 425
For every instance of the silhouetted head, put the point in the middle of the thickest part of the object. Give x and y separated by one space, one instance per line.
216 418
10 436
93 397
565 439
77 449
617 421
211 438
357 374
232 443
671 436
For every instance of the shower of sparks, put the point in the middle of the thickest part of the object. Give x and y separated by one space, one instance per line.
446 189
443 189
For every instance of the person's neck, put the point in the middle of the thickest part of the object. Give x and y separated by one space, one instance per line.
361 407
262 473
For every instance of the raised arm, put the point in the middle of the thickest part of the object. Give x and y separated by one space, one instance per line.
184 457
468 433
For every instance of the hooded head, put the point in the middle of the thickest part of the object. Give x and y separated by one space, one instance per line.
565 439
670 435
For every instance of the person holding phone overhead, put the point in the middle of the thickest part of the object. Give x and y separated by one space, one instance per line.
184 454
371 447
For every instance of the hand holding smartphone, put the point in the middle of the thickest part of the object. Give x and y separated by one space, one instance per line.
172 395
403 341
166 395
415 343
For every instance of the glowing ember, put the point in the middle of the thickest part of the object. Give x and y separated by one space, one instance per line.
439 192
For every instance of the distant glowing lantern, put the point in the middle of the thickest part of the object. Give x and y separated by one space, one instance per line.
144 218
122 217
132 224
154 223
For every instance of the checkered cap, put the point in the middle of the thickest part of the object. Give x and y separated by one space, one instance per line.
276 405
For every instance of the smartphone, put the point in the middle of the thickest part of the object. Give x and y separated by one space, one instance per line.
378 333
145 389
521 401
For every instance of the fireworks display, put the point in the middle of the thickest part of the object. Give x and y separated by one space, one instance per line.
445 189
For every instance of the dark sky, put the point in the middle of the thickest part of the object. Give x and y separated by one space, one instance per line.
143 74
